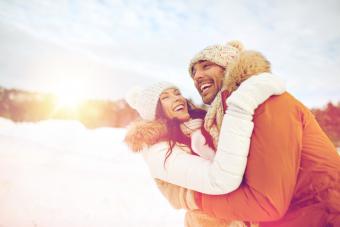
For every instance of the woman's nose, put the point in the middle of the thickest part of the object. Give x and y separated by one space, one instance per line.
175 97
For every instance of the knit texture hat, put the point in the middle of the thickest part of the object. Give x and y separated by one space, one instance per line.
221 55
145 100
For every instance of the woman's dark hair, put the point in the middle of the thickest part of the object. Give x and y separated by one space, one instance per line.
175 134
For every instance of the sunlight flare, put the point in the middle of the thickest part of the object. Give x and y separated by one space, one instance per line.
70 94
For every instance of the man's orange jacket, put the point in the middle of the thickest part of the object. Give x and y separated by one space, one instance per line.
293 172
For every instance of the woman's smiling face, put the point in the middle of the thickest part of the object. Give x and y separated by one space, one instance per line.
174 105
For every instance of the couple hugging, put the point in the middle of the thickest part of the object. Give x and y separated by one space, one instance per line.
256 157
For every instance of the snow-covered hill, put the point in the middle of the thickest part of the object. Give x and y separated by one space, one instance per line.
59 174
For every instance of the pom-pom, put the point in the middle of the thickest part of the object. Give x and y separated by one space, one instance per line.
236 44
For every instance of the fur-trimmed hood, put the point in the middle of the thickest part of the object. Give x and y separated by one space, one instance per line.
142 133
249 63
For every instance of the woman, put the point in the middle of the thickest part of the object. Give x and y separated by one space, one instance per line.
172 132
179 119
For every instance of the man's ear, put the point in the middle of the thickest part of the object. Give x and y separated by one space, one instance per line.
232 76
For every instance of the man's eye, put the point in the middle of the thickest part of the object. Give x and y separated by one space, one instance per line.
164 97
206 66
193 73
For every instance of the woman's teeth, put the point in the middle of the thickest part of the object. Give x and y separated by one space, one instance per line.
179 108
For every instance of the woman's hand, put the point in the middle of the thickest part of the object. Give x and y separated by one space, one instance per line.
253 92
200 147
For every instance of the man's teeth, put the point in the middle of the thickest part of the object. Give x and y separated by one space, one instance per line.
179 107
205 86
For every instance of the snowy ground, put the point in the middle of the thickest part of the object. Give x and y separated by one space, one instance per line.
60 174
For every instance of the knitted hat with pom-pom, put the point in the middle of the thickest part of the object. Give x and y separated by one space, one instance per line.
221 55
145 100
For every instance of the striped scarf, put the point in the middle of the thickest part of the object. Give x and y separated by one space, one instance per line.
214 116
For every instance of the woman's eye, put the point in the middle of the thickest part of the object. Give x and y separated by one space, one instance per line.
164 97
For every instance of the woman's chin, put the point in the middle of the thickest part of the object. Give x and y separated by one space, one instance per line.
183 117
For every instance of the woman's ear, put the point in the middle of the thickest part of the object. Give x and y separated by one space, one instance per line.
190 104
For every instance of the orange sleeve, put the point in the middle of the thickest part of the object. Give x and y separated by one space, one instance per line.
272 167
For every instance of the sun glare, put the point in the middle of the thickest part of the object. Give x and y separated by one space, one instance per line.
70 96
68 101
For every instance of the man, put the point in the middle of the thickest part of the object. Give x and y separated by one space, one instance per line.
293 170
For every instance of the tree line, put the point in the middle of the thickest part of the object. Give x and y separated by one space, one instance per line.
329 120
24 106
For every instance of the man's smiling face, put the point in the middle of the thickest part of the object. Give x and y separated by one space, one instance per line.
208 78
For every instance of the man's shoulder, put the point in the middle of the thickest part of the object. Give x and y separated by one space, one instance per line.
283 99
278 105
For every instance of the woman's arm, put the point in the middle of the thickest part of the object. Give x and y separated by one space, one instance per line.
224 174
196 173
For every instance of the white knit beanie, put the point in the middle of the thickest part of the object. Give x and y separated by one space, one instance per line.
221 55
145 100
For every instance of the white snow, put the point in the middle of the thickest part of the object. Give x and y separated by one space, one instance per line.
59 174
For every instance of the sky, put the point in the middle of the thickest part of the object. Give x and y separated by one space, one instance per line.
102 48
